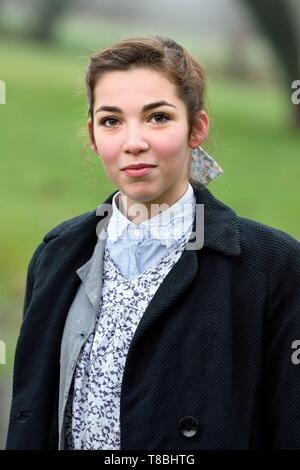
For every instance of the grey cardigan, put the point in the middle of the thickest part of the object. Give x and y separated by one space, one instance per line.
78 327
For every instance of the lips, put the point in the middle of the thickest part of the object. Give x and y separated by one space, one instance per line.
139 172
138 166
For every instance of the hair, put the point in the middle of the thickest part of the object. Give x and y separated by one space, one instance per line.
157 53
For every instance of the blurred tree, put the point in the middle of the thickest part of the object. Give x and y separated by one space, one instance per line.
276 19
46 14
1 15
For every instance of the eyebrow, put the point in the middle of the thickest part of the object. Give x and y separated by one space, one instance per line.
146 107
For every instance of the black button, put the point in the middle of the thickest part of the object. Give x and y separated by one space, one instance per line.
188 426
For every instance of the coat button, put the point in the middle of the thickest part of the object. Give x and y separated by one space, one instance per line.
188 426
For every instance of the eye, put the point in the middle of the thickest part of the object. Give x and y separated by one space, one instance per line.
160 115
110 120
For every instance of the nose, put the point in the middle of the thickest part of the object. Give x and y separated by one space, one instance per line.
135 142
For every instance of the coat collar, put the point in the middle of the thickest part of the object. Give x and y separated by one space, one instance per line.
166 227
221 224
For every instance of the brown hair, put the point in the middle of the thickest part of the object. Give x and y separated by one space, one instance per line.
157 53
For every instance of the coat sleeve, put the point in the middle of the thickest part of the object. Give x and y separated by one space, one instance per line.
281 369
30 276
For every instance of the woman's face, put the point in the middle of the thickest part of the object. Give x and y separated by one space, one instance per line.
138 118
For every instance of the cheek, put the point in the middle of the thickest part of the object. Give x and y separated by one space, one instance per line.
108 150
171 148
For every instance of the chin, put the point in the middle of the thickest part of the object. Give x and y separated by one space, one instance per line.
140 193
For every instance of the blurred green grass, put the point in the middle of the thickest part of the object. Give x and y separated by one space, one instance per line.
45 179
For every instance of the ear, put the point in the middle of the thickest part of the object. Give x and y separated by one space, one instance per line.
91 136
200 130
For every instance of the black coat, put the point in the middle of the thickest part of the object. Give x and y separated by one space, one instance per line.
212 362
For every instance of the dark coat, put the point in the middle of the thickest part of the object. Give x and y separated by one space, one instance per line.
211 363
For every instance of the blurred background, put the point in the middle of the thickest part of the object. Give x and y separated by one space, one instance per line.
250 49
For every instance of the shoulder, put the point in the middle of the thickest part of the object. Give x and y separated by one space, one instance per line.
82 222
268 240
71 225
75 227
81 228
269 265
272 255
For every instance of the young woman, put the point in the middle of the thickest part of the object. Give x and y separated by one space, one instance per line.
161 320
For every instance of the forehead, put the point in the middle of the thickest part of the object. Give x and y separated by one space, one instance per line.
136 84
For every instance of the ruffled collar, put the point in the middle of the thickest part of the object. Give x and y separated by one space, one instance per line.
168 227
